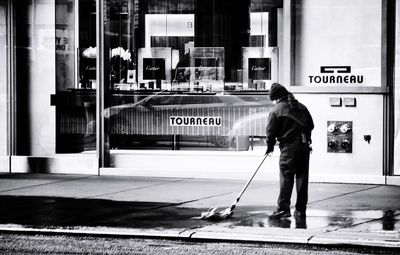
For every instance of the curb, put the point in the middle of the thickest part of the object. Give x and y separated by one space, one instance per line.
390 239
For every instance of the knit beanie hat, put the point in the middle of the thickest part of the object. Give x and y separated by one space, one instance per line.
277 91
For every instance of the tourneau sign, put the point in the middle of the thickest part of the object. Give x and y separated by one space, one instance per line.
336 75
195 121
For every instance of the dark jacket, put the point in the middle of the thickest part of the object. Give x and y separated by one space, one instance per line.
286 123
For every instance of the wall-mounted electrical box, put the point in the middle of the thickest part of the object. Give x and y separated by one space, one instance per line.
340 136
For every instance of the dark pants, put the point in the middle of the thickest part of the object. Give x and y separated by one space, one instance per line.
294 162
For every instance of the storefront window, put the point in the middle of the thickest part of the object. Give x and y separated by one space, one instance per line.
189 75
76 76
343 48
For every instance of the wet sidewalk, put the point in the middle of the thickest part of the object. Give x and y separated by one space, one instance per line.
338 214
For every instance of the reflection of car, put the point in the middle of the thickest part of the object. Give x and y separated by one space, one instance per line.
202 117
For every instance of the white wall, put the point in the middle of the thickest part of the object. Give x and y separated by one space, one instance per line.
339 33
366 159
342 33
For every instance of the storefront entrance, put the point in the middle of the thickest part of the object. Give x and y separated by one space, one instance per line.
49 131
180 88
4 110
187 79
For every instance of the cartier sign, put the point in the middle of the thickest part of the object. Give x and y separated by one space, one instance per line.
154 69
260 68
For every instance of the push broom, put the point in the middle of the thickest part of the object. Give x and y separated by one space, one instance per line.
212 214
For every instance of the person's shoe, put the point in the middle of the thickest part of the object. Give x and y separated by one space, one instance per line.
277 214
300 214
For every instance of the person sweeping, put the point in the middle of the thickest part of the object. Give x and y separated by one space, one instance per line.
290 123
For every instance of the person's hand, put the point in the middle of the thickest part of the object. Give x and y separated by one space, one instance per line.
269 150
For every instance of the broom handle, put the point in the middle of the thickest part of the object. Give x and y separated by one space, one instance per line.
247 184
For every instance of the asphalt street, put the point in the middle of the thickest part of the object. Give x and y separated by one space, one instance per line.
66 244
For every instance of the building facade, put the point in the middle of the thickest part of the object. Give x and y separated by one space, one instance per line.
180 88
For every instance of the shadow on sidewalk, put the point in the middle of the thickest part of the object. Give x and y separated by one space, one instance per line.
39 211
48 212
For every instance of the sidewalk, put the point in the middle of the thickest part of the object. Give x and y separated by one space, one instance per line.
338 214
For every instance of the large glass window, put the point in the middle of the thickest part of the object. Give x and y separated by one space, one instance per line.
189 74
75 76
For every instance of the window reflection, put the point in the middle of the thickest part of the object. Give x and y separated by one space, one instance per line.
218 122
185 58
86 44
75 100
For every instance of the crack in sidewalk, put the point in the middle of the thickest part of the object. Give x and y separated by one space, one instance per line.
137 188
344 194
44 184
194 200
